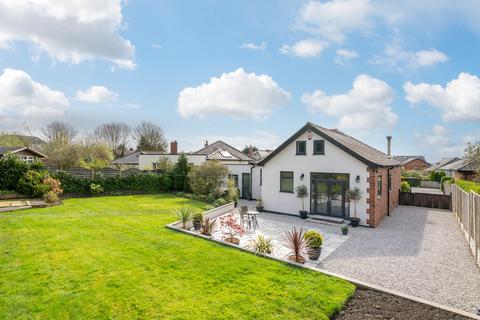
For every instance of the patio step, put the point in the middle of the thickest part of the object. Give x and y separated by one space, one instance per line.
327 220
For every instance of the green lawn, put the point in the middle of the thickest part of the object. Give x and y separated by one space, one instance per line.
112 258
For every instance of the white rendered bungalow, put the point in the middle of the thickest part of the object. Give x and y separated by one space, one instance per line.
329 162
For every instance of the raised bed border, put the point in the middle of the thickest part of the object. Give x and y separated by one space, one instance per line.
175 226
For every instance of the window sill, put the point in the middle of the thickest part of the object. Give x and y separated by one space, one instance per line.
286 191
318 154
300 154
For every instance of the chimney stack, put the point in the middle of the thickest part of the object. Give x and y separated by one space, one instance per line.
389 146
174 147
206 143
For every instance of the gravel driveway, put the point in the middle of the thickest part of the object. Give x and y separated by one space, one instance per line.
417 251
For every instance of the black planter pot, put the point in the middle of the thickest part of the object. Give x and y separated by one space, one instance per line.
344 232
314 253
197 225
355 222
260 209
303 214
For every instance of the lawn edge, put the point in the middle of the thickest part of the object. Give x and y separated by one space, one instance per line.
359 283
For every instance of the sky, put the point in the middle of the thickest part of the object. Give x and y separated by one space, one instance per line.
247 72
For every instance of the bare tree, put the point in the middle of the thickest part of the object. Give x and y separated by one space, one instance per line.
115 135
150 137
60 133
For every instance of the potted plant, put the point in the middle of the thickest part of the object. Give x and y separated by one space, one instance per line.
314 244
197 219
297 245
232 228
354 195
344 230
259 205
302 193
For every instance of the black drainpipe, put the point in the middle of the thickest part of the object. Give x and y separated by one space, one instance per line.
388 190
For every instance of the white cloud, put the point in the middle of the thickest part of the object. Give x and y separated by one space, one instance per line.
308 48
396 57
436 137
344 55
458 100
253 46
236 94
68 30
96 94
23 99
332 20
156 46
367 105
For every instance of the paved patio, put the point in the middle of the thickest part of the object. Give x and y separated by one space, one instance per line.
273 226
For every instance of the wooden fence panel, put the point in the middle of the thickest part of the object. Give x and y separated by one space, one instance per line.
426 200
466 209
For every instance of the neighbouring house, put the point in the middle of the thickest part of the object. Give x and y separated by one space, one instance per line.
412 162
260 154
31 141
329 162
26 154
464 169
129 161
440 164
238 163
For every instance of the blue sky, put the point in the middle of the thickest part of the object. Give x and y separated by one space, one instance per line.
248 71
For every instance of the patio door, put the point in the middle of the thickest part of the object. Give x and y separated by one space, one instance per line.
328 197
246 192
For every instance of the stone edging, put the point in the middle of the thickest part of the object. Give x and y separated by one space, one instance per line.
358 283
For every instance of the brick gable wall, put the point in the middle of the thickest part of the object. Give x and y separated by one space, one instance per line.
416 164
377 209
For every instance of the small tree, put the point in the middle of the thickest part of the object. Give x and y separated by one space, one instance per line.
302 193
180 171
354 195
206 178
232 226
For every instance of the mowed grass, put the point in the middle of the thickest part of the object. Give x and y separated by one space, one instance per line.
113 258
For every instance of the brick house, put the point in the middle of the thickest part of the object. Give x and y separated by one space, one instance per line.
329 162
412 162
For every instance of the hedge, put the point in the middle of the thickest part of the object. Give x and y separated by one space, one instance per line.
412 181
444 180
468 185
135 182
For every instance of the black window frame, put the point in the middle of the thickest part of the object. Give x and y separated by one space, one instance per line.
299 142
282 177
235 179
315 152
379 185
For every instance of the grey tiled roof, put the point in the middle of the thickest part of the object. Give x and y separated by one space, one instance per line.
4 150
445 161
131 158
363 150
211 148
407 159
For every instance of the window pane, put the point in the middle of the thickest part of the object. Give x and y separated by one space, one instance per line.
379 185
286 181
301 147
319 147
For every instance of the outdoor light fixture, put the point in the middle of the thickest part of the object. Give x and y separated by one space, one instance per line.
302 176
357 179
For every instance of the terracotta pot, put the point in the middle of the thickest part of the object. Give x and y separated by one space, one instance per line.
301 259
233 240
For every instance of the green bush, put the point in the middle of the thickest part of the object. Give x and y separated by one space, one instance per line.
31 183
313 238
219 202
50 197
208 207
12 169
95 188
437 175
446 180
468 185
405 186
413 182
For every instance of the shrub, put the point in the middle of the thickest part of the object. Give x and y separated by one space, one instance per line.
313 238
437 175
208 207
232 191
31 183
184 215
262 245
95 188
207 177
12 169
54 185
468 185
296 243
180 194
208 226
404 186
445 179
219 202
50 197
413 182
231 226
